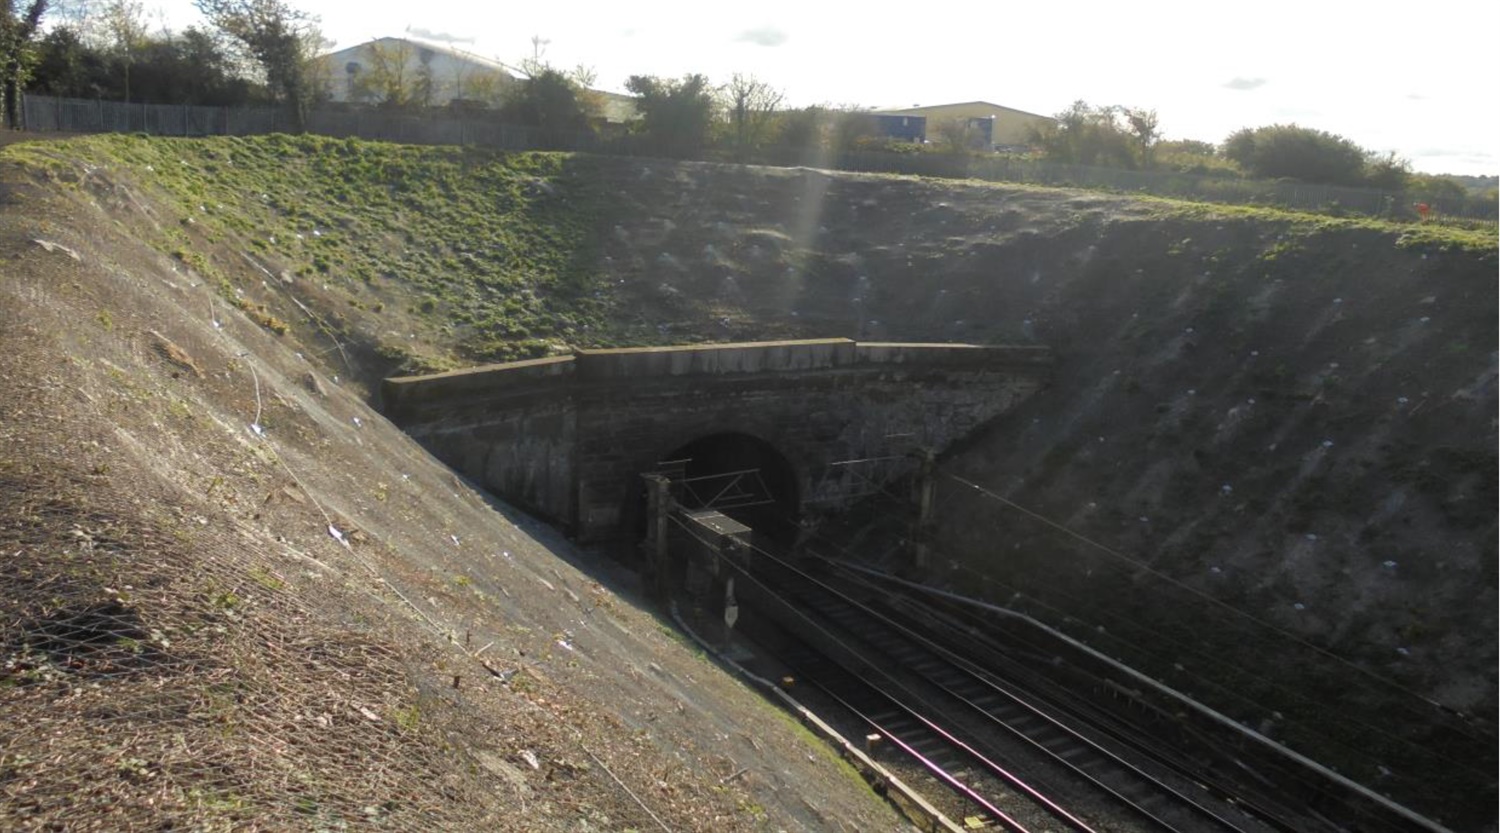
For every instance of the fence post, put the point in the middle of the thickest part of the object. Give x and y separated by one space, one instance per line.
184 120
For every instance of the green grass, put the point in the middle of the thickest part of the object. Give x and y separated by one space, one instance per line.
439 257
1422 236
491 253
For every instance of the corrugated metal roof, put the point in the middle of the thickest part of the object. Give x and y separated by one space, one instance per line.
435 46
919 110
618 107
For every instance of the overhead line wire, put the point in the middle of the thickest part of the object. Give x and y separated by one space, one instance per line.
1157 634
897 685
1194 591
1223 690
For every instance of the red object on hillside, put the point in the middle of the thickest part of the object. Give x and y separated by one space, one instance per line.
1423 209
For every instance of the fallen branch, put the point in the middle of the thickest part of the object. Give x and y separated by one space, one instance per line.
736 774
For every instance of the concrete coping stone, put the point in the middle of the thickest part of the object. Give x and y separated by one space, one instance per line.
726 345
891 352
713 359
400 390
549 366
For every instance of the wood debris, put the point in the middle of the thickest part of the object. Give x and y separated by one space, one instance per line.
172 354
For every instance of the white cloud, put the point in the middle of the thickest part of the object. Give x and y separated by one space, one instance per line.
763 36
1245 84
441 37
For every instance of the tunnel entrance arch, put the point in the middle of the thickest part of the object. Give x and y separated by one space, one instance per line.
740 475
568 437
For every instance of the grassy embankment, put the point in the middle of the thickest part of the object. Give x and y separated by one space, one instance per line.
437 256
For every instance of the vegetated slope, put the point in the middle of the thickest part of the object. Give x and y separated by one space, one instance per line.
232 596
1277 429
424 256
1286 415
1280 429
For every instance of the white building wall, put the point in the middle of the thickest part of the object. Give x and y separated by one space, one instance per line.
453 75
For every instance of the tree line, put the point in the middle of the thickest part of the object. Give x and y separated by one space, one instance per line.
248 52
1131 138
267 52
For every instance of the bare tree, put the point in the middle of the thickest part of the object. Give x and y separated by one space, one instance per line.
390 80
752 105
425 85
537 62
124 25
16 32
277 37
1147 131
474 84
82 16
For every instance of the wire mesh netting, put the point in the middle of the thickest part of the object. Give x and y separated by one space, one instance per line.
156 673
233 600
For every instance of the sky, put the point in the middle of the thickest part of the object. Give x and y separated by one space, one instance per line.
1418 78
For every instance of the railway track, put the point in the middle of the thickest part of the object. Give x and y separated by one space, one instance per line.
993 712
944 757
938 708
1269 782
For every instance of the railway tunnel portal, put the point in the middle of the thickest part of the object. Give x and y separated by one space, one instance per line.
783 425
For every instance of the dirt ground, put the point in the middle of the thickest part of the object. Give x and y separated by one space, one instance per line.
234 597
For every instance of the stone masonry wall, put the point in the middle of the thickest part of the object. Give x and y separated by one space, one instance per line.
568 437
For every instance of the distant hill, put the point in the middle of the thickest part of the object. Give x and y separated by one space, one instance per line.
1475 184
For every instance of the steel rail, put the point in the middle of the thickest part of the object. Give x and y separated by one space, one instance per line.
1027 736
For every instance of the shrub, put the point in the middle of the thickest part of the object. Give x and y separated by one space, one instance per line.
1301 153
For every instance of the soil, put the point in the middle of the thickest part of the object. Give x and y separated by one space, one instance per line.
1276 430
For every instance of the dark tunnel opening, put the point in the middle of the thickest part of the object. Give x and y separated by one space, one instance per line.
741 476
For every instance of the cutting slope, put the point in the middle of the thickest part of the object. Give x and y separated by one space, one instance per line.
1276 430
1265 469
233 597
